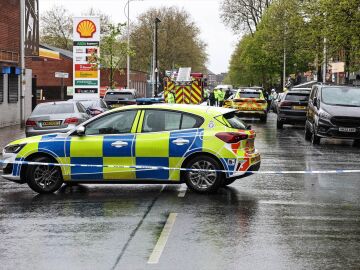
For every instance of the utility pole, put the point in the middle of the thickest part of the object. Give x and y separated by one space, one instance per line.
325 61
22 60
128 45
157 20
284 67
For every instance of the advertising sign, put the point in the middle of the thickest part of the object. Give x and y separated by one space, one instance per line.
86 74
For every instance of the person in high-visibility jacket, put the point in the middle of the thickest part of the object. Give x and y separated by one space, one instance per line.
171 97
219 97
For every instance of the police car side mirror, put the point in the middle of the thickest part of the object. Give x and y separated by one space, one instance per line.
248 127
80 130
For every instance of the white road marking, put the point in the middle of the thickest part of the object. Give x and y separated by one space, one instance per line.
182 191
160 245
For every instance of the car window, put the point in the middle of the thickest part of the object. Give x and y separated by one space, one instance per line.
53 108
103 104
191 121
249 95
297 97
231 120
80 107
115 123
313 93
161 120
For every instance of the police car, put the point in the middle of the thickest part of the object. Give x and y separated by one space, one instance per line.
205 147
249 102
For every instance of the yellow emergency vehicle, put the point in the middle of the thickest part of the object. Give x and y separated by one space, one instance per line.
249 102
205 147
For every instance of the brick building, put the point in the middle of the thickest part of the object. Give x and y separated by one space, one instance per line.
10 70
59 60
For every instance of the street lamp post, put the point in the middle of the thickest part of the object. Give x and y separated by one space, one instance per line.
157 20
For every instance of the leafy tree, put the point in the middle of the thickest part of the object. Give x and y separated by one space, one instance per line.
56 28
243 14
179 44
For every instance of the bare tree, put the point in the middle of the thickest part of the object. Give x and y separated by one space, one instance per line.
243 15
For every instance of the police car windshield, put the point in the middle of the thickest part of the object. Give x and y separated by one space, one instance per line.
249 95
53 108
343 96
119 95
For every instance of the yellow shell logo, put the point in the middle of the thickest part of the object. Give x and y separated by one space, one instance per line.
86 28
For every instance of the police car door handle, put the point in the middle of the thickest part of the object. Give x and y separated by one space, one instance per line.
119 144
180 141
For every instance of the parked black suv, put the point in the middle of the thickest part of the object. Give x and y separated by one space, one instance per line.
292 107
333 111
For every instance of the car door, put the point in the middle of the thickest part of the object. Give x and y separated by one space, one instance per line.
311 106
108 142
163 143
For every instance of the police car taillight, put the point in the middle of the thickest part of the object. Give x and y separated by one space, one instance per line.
231 137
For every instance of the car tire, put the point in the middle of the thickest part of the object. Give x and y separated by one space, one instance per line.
227 182
356 143
203 181
315 139
263 118
307 134
44 179
279 124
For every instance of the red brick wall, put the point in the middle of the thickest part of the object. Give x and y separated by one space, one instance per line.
10 25
44 70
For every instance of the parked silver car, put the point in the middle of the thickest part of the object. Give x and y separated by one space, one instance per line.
54 117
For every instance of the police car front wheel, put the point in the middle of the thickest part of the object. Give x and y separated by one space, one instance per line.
204 174
44 178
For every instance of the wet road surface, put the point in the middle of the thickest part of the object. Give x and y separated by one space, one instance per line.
259 222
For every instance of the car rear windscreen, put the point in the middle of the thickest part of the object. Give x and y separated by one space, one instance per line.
231 120
53 109
119 95
249 95
297 97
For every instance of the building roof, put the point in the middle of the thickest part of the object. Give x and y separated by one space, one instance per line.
66 53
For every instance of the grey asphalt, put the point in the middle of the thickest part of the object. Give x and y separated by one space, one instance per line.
259 222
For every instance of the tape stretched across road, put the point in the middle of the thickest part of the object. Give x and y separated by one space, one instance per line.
340 171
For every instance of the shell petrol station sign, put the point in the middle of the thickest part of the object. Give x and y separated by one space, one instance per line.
86 36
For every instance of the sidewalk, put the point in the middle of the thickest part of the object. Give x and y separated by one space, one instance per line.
9 134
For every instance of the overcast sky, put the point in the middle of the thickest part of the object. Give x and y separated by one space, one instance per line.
205 13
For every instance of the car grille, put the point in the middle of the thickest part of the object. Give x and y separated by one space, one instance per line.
346 121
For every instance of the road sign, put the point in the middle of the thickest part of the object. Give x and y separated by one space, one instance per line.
63 75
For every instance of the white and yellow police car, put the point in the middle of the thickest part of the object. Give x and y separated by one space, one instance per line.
205 147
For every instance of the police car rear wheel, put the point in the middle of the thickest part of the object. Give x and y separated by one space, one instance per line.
279 124
263 118
204 176
307 134
44 178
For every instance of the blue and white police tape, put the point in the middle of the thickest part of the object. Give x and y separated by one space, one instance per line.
142 167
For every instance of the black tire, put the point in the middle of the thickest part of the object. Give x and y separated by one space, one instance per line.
228 181
38 176
263 118
356 143
315 139
279 124
307 134
208 182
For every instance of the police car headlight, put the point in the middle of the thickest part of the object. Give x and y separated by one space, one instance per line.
324 115
13 149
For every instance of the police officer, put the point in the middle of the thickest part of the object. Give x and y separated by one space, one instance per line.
171 96
212 98
221 97
216 94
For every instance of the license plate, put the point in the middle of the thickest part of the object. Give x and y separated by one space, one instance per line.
50 123
347 129
299 107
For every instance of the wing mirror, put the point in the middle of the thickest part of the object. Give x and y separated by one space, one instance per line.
248 127
80 130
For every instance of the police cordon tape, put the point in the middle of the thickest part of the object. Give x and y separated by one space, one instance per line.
179 169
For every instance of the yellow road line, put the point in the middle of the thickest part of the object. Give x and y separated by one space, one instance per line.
160 245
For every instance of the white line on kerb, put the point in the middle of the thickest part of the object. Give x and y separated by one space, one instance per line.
160 245
182 191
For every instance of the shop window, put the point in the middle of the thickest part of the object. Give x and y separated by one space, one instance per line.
13 88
